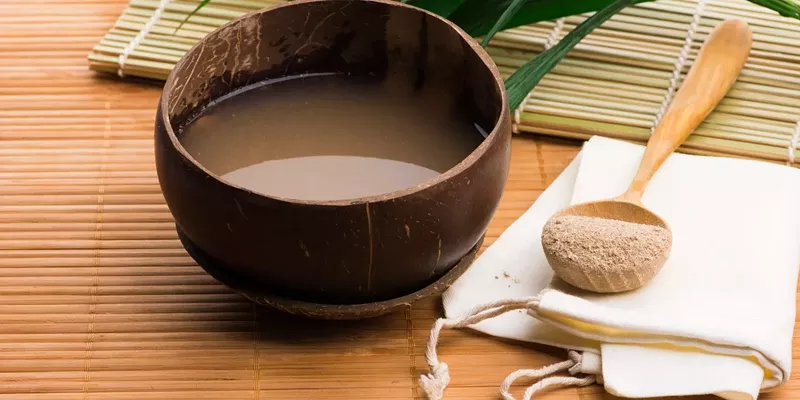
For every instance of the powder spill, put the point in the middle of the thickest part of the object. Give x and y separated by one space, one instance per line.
604 255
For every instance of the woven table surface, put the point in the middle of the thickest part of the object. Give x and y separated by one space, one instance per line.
98 300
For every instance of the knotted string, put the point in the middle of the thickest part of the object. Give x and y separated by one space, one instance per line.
434 383
573 365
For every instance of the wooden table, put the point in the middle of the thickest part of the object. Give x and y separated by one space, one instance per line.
80 200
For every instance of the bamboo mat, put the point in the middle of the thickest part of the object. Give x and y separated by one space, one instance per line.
99 301
615 83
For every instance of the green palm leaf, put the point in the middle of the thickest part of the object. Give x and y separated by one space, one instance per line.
477 17
519 84
202 4
503 20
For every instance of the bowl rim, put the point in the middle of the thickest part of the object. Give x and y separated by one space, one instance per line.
493 136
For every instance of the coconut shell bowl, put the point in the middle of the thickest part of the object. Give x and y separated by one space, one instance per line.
399 247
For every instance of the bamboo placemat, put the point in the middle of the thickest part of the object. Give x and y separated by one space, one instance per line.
99 301
615 83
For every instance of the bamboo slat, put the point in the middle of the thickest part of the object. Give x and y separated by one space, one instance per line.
617 79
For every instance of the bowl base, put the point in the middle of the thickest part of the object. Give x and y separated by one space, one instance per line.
323 311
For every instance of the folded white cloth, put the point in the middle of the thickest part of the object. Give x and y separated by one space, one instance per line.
717 319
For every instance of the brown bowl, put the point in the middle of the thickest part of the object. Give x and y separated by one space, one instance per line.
258 295
395 244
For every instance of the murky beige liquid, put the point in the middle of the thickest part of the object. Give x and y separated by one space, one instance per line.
330 137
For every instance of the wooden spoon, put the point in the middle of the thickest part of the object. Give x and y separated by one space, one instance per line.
715 70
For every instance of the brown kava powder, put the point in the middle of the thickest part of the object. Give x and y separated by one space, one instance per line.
604 255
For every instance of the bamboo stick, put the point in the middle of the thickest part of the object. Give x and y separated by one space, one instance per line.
200 19
153 39
143 326
69 190
725 120
184 9
769 141
784 135
681 18
93 253
748 150
88 235
108 210
518 57
173 395
554 98
777 141
689 148
104 281
21 215
77 174
649 21
26 300
142 52
589 49
92 182
76 167
121 159
600 113
126 307
29 244
643 92
122 318
721 118
25 132
588 115
240 342
96 264
137 200
178 269
162 26
604 33
776 115
144 47
90 289
561 92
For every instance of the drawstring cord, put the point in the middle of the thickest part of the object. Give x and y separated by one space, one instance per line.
434 383
573 365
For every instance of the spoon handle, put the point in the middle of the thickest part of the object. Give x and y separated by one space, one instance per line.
714 71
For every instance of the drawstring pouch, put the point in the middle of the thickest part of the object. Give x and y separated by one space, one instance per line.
717 319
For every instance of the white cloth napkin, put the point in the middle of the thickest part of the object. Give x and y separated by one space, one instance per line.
717 319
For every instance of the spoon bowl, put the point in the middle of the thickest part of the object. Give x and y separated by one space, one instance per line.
572 270
584 258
